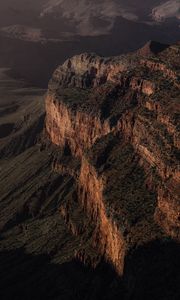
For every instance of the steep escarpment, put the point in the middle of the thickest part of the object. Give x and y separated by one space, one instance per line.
65 135
89 205
107 239
92 113
119 118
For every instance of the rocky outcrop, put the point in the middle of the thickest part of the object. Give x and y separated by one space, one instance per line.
151 48
87 70
107 238
63 124
119 118
161 67
92 201
168 210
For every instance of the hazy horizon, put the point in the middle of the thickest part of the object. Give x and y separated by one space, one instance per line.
37 36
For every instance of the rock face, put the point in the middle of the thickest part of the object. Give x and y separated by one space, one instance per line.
89 202
119 117
106 238
152 48
88 127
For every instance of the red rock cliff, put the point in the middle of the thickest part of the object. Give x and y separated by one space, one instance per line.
129 98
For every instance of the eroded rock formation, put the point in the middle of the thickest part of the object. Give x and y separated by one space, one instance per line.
89 205
119 117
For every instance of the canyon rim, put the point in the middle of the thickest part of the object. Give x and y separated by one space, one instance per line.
90 182
89 150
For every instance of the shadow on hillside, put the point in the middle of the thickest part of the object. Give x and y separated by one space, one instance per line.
153 271
28 277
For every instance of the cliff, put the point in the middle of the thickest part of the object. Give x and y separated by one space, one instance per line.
119 118
89 202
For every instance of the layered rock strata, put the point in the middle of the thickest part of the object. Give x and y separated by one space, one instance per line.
119 117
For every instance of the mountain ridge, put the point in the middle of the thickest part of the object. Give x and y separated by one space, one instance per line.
100 184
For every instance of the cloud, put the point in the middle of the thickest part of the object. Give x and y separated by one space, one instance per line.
30 34
23 32
89 17
166 10
97 17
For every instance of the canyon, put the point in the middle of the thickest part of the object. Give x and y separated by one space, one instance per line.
97 186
